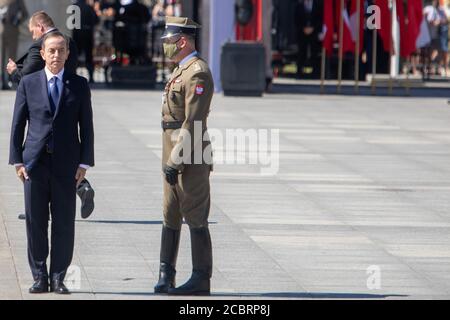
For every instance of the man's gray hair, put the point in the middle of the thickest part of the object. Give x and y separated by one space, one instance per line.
55 34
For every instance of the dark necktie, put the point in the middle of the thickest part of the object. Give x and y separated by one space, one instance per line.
54 94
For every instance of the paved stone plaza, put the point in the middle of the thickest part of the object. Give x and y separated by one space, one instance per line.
359 208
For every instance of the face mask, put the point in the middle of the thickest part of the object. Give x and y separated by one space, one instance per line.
171 50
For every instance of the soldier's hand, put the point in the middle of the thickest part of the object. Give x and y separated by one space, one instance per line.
171 175
22 173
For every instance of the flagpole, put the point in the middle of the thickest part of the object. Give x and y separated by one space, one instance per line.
341 41
374 60
407 77
322 72
391 47
358 24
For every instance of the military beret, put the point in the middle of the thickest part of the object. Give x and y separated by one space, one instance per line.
179 25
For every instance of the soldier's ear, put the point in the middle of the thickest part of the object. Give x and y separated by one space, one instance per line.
42 54
183 42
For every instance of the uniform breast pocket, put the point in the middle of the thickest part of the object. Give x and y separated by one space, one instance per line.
176 95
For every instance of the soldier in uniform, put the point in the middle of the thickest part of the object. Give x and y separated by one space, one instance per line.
187 159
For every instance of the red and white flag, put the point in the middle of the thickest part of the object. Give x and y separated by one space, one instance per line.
354 22
385 20
350 17
328 26
413 30
410 18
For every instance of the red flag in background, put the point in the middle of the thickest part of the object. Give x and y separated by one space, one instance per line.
347 42
385 28
328 26
350 17
410 17
354 23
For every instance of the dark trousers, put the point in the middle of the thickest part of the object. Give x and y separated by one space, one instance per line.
84 39
308 51
47 194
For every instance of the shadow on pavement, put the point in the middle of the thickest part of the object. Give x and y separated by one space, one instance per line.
269 295
143 222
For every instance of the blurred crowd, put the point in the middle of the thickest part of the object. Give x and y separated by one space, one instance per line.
127 32
124 32
299 28
437 16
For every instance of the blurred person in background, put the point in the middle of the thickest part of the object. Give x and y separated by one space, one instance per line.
130 31
433 18
40 24
12 14
443 12
84 37
173 8
309 23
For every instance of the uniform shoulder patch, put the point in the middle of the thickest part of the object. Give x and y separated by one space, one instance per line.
199 89
197 67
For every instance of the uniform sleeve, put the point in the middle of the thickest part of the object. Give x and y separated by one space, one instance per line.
198 96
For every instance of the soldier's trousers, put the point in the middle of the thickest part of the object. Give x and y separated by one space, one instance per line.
189 199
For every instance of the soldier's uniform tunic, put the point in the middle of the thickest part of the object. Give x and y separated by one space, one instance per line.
186 100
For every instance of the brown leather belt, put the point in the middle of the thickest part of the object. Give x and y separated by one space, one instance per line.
171 125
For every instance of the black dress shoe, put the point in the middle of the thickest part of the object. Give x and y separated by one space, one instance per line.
22 216
39 286
86 194
58 287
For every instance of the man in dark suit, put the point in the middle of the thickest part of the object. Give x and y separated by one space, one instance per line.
310 20
58 149
40 24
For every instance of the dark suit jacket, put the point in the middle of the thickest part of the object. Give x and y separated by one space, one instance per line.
32 61
310 19
71 126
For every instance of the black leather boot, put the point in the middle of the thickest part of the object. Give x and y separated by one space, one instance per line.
170 241
199 283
